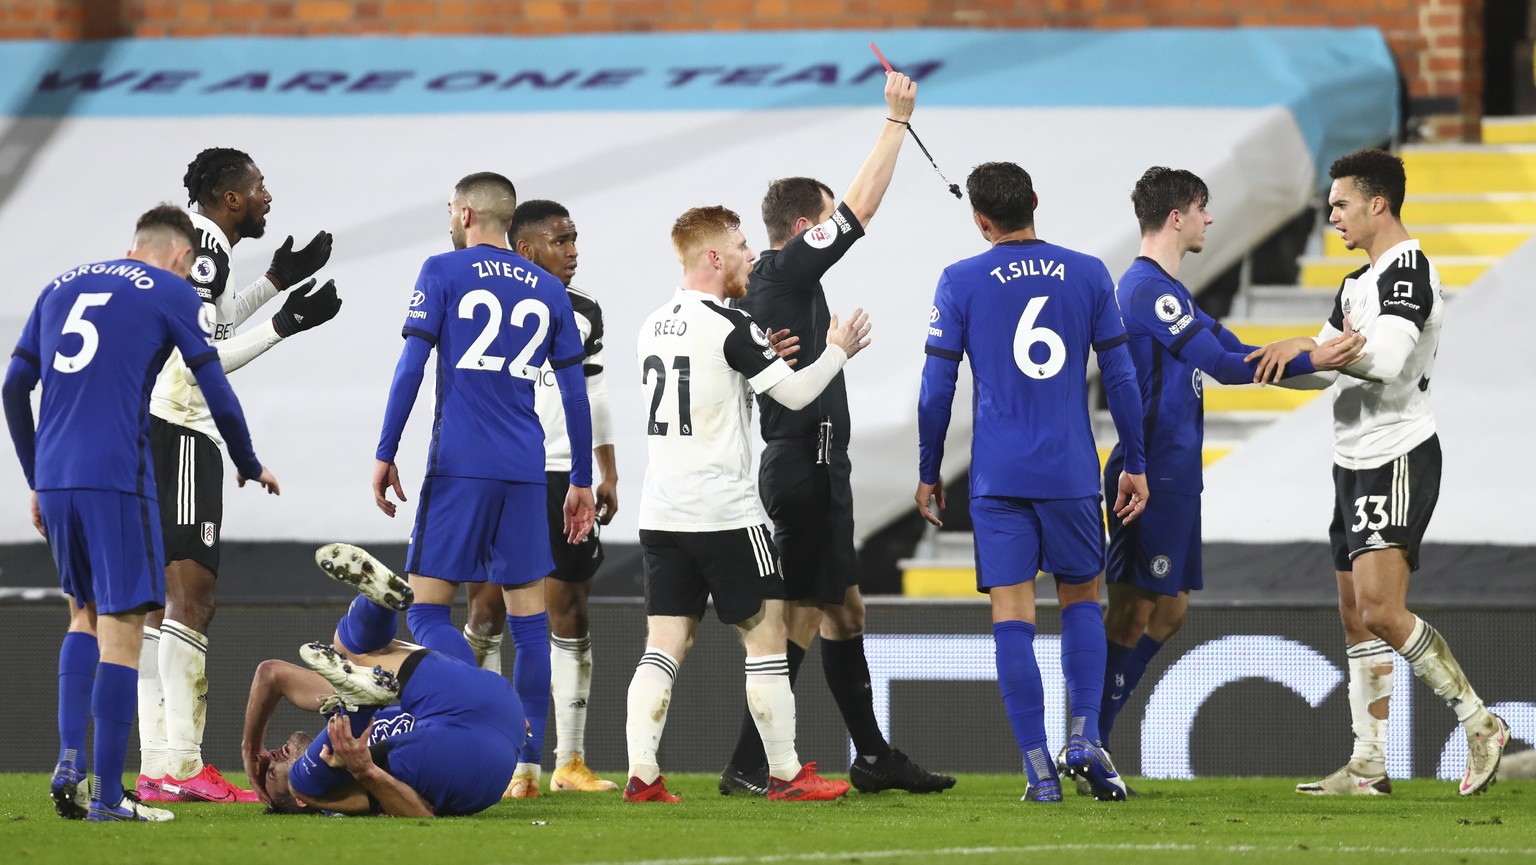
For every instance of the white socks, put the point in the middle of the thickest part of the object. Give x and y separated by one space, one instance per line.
1434 665
1370 684
152 744
650 694
772 703
184 679
487 649
571 687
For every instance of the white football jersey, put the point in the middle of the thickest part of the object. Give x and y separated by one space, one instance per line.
176 397
700 363
1374 424
546 394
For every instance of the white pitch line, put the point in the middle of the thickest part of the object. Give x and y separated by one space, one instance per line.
826 856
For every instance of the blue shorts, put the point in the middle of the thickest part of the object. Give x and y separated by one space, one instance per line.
1160 550
107 546
470 530
457 750
461 751
1018 538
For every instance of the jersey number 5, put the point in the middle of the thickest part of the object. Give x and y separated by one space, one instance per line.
90 338
476 358
1026 336
654 364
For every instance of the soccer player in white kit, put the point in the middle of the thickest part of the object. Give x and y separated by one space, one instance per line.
1386 473
703 530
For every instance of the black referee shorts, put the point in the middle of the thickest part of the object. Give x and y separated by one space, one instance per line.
189 482
811 507
574 563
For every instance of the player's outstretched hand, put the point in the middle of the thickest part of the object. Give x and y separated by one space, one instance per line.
345 750
305 309
1132 497
37 517
291 266
1341 351
784 345
267 480
900 96
385 477
607 495
927 493
851 336
1272 358
579 513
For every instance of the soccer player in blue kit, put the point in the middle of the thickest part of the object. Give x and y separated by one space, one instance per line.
1026 313
493 317
1155 563
446 749
96 339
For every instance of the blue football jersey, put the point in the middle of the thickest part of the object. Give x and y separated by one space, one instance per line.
1161 317
1026 313
494 318
98 336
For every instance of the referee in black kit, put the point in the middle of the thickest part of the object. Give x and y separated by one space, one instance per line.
805 473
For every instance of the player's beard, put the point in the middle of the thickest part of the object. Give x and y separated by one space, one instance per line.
456 231
251 225
735 287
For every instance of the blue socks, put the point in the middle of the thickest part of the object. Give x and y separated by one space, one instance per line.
530 677
432 628
1082 663
1018 677
367 627
113 702
1133 663
77 674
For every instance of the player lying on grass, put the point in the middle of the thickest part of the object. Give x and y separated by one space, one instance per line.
376 757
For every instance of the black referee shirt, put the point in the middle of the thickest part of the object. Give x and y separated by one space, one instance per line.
785 291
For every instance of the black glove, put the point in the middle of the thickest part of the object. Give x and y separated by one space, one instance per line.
289 267
303 311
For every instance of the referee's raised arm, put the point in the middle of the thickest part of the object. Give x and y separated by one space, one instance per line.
869 185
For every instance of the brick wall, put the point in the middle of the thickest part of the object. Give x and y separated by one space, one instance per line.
1438 43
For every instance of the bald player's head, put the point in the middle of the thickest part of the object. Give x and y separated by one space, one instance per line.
490 198
164 237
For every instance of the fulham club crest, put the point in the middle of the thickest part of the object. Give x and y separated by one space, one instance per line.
210 532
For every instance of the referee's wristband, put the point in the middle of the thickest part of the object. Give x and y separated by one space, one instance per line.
902 122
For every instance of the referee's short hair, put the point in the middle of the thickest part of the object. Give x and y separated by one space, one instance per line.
1375 172
1161 191
698 228
491 196
1003 193
166 221
788 199
531 213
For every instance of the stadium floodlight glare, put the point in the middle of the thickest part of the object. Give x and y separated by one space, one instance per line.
954 188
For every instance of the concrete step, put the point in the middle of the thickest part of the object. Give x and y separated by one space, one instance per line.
1476 168
1509 130
1483 208
1456 271
1284 303
1452 239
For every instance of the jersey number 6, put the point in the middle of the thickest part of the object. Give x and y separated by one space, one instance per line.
1027 336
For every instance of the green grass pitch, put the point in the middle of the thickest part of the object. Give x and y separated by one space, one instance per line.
979 821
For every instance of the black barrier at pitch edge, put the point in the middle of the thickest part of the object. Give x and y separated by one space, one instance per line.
1241 691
